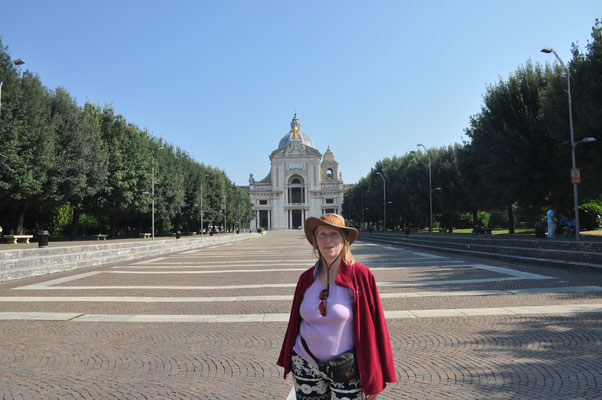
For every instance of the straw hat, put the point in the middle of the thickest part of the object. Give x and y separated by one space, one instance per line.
334 220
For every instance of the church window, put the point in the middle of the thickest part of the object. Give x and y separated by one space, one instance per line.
329 201
263 202
329 173
296 191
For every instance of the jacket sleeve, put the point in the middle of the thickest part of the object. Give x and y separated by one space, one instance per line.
382 335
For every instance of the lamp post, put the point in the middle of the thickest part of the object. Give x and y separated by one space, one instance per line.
362 221
430 189
18 61
153 200
549 50
153 193
202 184
384 203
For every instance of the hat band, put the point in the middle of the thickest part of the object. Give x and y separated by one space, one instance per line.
333 220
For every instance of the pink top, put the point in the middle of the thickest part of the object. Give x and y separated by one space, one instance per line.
330 335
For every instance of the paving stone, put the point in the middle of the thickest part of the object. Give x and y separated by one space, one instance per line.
460 355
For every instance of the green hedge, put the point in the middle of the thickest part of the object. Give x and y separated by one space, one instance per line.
590 216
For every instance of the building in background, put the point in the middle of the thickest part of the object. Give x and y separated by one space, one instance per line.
301 183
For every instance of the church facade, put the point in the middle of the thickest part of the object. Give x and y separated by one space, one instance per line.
301 183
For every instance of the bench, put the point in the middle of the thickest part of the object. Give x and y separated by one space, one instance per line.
145 235
15 238
100 236
441 230
486 231
191 233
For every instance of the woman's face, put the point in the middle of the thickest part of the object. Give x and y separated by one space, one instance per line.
330 241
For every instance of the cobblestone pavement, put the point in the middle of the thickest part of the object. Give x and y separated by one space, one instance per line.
209 323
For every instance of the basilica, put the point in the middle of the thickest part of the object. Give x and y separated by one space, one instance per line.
301 183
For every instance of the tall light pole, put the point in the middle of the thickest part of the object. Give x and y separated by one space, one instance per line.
153 193
430 189
362 190
549 50
153 200
384 203
202 184
18 61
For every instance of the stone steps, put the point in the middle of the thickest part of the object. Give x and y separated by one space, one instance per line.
558 252
19 264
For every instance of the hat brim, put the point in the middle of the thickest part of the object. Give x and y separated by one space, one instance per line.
312 223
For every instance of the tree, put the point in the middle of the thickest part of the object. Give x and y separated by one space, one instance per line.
27 139
129 152
80 168
509 139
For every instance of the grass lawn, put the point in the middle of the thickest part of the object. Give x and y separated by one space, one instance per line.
494 231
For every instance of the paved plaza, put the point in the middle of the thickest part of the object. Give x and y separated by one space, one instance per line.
209 323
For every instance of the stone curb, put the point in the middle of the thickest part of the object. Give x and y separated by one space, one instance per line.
19 264
578 256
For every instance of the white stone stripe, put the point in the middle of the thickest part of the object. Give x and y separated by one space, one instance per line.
449 282
566 289
152 260
134 299
283 317
307 264
253 262
37 316
226 287
44 285
229 271
504 271
155 299
427 255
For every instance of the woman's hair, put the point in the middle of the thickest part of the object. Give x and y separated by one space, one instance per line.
346 255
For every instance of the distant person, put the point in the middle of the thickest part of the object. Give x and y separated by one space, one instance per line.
551 222
563 224
336 315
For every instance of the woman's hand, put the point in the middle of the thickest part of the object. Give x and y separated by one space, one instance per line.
372 396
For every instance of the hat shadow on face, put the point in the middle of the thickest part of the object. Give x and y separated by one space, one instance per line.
333 220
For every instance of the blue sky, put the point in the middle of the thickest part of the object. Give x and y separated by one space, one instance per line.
222 79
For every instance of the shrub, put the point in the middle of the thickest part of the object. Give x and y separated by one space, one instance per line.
590 216
484 216
462 221
498 220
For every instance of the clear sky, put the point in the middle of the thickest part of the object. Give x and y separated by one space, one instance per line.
221 79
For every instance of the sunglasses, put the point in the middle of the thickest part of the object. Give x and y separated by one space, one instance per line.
324 299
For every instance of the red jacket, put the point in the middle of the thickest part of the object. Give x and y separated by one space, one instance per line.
372 343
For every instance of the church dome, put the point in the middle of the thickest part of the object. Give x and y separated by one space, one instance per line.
295 134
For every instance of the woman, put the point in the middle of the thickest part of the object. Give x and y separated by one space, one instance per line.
335 303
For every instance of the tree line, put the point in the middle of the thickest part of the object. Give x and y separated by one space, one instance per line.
516 157
80 170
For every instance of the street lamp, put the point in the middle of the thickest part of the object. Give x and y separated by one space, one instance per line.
18 61
549 50
430 189
202 184
362 190
153 193
384 203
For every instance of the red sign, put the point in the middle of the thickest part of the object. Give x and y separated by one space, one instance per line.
575 175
